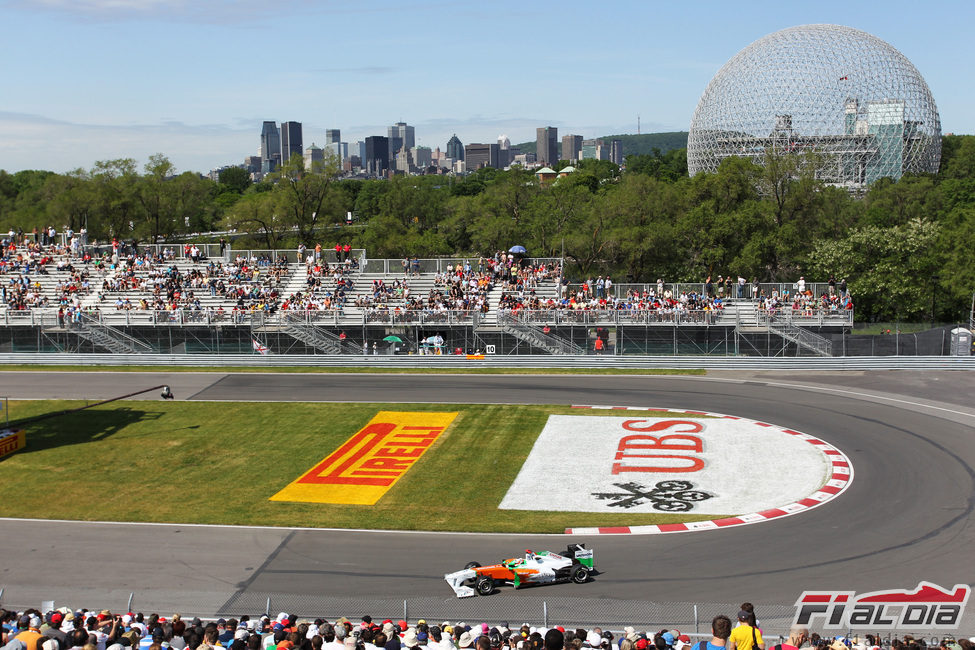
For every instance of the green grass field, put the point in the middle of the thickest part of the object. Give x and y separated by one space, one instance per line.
218 463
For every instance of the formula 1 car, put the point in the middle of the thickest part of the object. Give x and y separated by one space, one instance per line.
575 565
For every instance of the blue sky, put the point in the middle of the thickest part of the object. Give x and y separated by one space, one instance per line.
88 80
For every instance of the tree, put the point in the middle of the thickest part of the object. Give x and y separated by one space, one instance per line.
889 270
156 197
114 200
68 198
301 196
235 179
255 213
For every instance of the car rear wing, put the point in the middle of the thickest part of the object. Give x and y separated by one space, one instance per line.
581 554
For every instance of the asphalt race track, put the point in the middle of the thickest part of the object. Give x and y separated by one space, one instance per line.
907 516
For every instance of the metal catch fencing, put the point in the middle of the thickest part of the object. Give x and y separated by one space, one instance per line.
523 608
537 611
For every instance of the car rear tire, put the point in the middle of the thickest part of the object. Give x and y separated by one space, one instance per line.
472 565
580 574
484 586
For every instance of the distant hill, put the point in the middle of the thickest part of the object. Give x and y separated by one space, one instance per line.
632 144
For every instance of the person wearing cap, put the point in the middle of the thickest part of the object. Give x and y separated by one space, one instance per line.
466 640
746 636
29 632
54 631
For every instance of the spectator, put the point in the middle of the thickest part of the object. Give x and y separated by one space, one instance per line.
720 631
29 634
746 636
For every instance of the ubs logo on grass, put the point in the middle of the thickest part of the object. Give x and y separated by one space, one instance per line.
666 496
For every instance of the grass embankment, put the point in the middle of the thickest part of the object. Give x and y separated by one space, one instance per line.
218 463
363 369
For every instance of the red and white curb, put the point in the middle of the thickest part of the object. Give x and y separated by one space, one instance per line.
839 481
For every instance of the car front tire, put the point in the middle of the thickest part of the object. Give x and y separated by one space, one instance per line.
484 586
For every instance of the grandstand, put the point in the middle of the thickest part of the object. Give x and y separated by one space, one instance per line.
206 298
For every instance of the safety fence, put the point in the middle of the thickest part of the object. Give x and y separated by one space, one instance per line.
463 362
533 609
48 316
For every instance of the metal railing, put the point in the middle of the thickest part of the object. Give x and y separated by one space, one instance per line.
178 252
765 289
395 316
48 317
806 317
614 317
396 268
540 361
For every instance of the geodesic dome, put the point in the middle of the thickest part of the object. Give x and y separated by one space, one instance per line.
846 95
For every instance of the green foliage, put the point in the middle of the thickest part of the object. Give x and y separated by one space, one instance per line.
235 179
773 222
890 270
670 166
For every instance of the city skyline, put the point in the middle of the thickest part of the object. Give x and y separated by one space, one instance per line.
129 78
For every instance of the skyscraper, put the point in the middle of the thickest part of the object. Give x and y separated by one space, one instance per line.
616 151
401 136
546 143
596 149
572 147
376 162
291 140
455 148
270 147
332 136
314 157
504 151
479 155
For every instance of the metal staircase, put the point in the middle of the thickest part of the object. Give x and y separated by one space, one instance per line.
819 345
106 336
294 325
533 335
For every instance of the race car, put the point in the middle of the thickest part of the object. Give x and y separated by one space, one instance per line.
542 567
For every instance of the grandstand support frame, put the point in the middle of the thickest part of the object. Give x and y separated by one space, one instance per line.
551 343
813 342
108 337
309 334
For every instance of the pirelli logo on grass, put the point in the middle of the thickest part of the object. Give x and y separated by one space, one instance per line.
369 463
11 441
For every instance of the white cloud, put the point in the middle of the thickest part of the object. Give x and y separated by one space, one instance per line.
37 142
179 11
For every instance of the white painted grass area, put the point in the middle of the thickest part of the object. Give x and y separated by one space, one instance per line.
747 467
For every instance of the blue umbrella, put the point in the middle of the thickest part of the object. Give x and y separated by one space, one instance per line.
518 249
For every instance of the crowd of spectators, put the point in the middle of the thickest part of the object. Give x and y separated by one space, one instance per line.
583 298
66 629
804 303
252 285
127 278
